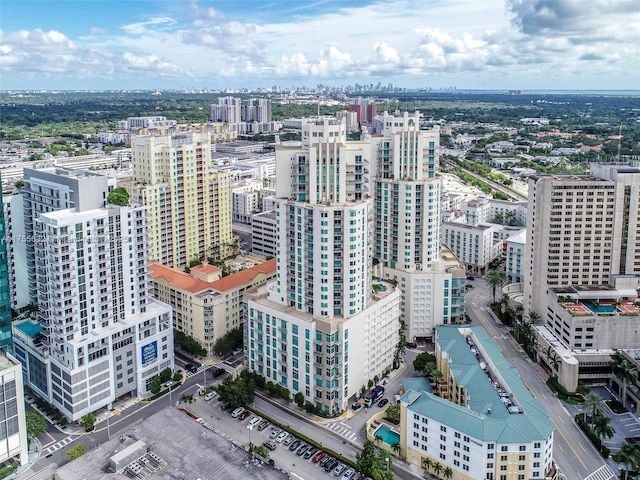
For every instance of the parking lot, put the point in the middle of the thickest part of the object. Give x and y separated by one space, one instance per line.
289 453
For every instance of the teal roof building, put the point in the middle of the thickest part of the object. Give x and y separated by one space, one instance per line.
481 420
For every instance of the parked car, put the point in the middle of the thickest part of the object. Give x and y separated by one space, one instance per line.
356 406
190 367
264 424
210 395
318 456
383 402
225 406
254 422
275 432
270 444
310 453
289 440
295 445
236 413
348 474
325 460
337 471
281 437
303 448
330 465
244 415
470 277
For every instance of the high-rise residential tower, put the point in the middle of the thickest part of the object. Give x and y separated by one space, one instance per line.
99 335
323 327
5 297
227 110
188 201
406 194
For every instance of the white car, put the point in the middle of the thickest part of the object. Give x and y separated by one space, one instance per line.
280 438
254 422
210 395
236 413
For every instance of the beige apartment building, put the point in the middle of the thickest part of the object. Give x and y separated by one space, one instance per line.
205 304
188 200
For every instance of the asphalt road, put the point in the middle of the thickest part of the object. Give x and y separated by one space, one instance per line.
574 454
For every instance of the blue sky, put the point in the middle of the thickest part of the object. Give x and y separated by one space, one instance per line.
503 44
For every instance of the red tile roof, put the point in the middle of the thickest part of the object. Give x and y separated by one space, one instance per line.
184 281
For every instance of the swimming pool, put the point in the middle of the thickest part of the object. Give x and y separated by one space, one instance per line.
31 329
599 309
387 435
380 287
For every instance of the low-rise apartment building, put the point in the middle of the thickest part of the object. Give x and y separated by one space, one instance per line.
481 422
206 305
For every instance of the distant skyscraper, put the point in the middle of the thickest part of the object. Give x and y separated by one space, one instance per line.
188 201
228 110
365 108
5 300
257 110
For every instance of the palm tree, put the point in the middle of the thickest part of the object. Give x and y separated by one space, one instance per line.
495 278
625 371
437 467
533 317
602 427
629 457
448 472
592 405
395 446
378 439
427 463
554 363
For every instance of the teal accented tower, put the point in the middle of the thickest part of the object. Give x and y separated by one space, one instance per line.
5 302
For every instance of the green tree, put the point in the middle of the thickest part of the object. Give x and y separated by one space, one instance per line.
299 399
188 344
365 459
238 392
437 468
602 426
19 183
424 362
165 375
395 446
76 451
229 342
36 424
427 463
496 278
155 385
448 473
393 413
628 456
118 196
592 406
88 421
625 371
187 398
177 376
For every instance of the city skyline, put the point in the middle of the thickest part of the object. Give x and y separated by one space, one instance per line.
514 44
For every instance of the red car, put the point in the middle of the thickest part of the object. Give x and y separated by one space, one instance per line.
244 415
318 456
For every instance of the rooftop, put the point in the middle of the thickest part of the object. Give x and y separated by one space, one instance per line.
500 407
184 281
193 452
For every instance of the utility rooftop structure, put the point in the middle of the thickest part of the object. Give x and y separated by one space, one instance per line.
484 422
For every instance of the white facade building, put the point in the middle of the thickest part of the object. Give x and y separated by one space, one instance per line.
343 330
99 334
16 251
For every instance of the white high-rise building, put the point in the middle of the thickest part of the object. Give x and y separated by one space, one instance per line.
100 334
406 193
323 327
227 110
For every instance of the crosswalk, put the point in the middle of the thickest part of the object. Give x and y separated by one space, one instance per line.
50 448
342 429
603 473
200 369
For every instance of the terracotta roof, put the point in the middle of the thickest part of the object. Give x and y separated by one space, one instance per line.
206 269
184 281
